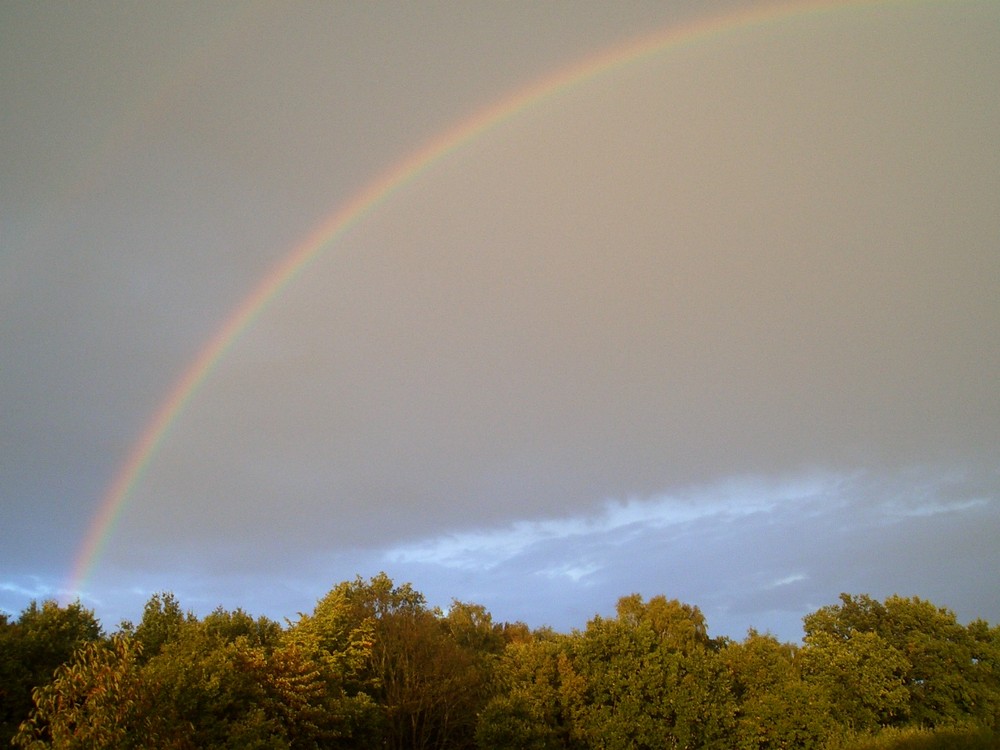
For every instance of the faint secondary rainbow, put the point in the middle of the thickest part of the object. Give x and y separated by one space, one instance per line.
364 203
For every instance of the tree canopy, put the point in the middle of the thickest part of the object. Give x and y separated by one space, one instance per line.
373 665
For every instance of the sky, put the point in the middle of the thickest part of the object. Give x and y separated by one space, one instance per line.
720 322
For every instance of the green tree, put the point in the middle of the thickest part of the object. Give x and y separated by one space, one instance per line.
862 675
651 680
95 701
43 637
985 672
218 693
227 682
420 668
941 676
537 690
677 626
946 665
161 623
230 625
230 681
471 626
775 708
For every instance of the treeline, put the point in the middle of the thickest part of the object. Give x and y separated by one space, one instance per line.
374 666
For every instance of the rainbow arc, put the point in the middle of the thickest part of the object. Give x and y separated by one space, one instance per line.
369 199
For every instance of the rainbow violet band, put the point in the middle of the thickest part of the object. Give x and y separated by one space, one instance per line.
364 203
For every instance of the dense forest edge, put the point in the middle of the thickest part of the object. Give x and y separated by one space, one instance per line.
374 666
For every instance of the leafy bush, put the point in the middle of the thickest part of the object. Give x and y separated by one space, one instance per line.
912 738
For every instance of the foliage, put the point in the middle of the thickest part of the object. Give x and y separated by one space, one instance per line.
31 649
374 666
775 707
949 672
426 671
96 700
862 676
537 689
650 680
917 738
162 621
229 626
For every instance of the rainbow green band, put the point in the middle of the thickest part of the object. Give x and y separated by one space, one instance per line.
375 194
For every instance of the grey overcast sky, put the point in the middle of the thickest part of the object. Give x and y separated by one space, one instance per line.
722 324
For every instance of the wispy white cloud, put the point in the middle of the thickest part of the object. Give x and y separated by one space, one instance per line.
617 520
576 572
773 549
23 589
926 509
788 580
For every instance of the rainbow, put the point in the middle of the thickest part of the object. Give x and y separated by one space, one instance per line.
363 204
